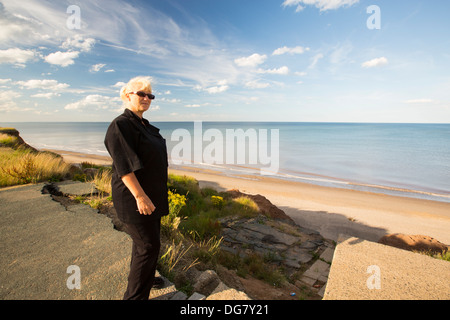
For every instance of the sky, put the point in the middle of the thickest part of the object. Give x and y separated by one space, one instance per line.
234 60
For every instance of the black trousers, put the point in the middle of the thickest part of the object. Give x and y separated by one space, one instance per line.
144 257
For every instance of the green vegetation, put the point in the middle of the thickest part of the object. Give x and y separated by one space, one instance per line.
204 207
442 256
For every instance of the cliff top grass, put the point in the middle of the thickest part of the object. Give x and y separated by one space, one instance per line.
7 130
21 164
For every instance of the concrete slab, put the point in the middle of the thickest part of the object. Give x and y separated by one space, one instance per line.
318 269
46 247
41 241
327 255
364 270
77 188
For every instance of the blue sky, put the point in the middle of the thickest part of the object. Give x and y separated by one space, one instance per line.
234 60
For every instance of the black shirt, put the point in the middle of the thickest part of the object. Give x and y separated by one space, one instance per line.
137 146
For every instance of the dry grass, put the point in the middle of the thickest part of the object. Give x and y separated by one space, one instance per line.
7 140
102 180
22 166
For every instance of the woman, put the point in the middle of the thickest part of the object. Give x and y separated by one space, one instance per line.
139 183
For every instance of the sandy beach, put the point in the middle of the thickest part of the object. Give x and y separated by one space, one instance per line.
330 211
76 157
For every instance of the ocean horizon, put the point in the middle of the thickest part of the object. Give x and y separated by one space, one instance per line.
405 159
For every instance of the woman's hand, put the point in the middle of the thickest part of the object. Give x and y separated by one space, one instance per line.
145 205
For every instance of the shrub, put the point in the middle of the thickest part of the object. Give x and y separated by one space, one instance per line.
217 202
170 222
244 207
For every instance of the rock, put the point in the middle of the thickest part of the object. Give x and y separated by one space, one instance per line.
206 282
193 274
297 256
223 292
179 296
197 296
414 243
90 172
271 235
309 245
265 206
277 240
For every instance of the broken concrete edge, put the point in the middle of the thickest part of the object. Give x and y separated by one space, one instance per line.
406 274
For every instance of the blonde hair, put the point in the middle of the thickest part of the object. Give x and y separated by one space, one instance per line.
140 83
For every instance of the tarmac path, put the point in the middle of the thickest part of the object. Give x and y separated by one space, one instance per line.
42 241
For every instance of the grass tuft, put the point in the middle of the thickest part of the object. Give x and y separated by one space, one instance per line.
21 166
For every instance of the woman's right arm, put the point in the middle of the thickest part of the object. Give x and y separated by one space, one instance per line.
144 204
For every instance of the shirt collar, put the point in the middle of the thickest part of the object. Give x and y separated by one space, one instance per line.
132 115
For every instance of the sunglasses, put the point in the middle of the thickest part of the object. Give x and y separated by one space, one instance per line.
142 94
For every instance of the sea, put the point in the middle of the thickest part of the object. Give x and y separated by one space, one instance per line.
411 160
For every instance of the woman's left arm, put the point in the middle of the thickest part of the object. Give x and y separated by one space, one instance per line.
144 204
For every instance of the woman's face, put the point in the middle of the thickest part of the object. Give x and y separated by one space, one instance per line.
139 104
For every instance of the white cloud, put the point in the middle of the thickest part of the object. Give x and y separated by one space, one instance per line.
283 70
119 84
217 89
221 86
341 53
43 84
295 50
251 61
47 95
174 100
206 104
21 23
6 100
62 59
97 67
256 84
377 62
16 56
323 5
77 42
94 101
420 101
315 60
187 53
